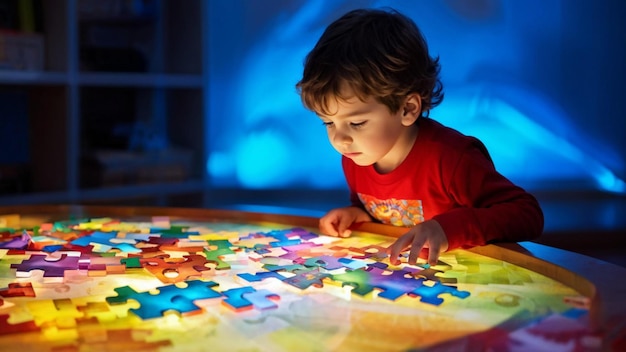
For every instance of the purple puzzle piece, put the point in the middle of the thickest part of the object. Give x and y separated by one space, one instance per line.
51 267
395 283
18 242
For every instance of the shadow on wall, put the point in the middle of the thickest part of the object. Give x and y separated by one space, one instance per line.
262 137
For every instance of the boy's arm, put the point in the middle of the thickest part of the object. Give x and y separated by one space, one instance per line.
492 209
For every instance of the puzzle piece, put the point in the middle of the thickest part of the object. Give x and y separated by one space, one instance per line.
52 267
133 262
352 264
260 276
101 266
306 278
430 294
107 240
175 270
325 261
122 340
45 243
169 297
286 243
394 283
358 279
18 289
371 251
7 328
434 275
161 222
213 255
62 312
235 299
19 242
289 268
262 299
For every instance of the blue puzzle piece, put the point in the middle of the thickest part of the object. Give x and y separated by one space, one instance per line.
170 297
430 294
260 276
285 243
235 298
352 264
104 238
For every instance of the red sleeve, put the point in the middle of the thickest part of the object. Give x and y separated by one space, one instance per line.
491 208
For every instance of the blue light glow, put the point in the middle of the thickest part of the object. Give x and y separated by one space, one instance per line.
502 68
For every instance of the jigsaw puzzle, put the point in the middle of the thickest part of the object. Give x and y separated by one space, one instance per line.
90 281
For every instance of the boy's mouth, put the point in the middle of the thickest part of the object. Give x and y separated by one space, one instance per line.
351 155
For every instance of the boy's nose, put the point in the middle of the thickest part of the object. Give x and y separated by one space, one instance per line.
341 138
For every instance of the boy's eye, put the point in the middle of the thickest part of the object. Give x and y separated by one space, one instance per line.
327 123
357 124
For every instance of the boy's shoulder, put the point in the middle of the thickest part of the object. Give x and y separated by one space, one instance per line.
435 131
446 140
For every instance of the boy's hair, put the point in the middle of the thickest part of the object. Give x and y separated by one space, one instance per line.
378 53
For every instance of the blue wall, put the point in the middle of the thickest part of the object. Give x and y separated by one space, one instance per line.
540 82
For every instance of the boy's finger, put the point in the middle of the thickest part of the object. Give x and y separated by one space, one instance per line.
394 250
328 228
433 253
342 227
416 248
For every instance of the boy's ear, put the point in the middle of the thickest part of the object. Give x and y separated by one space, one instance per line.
412 108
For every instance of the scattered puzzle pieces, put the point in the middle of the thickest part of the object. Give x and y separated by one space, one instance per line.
106 274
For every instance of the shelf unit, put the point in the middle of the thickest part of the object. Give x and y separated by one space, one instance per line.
118 113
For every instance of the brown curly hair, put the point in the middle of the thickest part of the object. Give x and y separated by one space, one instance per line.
377 52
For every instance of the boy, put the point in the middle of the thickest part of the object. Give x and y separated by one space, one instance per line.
372 82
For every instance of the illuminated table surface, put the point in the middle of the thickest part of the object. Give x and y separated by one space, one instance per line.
76 278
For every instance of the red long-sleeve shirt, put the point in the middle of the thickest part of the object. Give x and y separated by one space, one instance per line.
449 177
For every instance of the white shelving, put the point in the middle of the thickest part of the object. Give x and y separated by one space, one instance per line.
76 107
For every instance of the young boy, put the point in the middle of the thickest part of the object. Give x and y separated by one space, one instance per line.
372 82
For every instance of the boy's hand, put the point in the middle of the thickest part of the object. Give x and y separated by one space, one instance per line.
427 234
337 221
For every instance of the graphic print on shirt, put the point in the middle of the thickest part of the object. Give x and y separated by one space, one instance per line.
397 212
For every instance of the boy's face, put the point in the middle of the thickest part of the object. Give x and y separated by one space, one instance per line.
368 133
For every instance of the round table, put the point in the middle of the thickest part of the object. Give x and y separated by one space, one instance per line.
156 278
